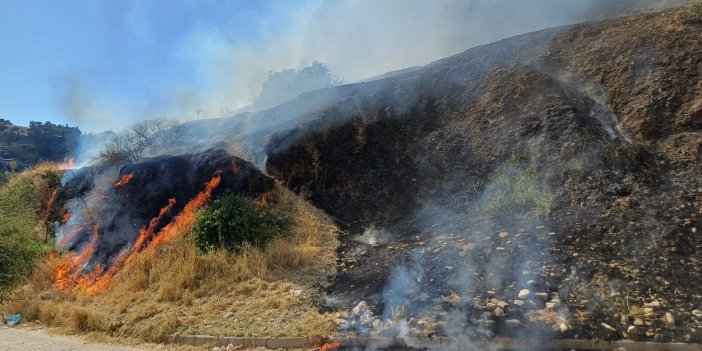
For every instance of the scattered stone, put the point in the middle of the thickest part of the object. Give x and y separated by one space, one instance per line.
513 323
360 308
670 319
519 303
653 304
563 327
500 248
488 315
631 330
638 322
542 295
608 327
531 282
499 312
697 313
503 234
550 305
523 294
502 304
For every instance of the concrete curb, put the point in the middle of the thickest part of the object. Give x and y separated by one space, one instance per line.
445 343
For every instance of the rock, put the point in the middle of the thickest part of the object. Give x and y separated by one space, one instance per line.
499 312
550 305
631 330
531 282
556 302
519 303
653 304
513 323
502 304
503 234
697 313
608 327
669 319
542 295
488 315
638 322
523 294
360 308
563 327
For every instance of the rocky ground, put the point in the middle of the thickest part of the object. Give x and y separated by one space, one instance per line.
545 185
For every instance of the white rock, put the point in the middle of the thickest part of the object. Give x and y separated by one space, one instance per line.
502 304
669 318
542 295
523 294
499 312
519 302
697 313
631 330
638 322
360 308
563 327
513 323
550 305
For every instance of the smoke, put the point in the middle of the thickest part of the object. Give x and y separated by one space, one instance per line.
219 74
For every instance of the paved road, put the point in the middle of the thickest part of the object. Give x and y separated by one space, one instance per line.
12 339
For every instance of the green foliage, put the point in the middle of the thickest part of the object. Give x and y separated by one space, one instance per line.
692 14
20 231
621 155
514 187
231 222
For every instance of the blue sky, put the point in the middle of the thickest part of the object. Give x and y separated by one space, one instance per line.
112 53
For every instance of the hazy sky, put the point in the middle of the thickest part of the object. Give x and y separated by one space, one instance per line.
102 64
128 56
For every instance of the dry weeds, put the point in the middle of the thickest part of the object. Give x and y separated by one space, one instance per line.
271 292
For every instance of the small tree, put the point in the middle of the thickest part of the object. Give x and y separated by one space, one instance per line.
231 222
148 137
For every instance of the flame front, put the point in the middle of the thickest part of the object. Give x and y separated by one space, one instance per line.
124 180
69 269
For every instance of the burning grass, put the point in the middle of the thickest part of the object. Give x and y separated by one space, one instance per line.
175 288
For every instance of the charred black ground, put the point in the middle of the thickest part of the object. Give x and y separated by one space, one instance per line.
565 162
120 211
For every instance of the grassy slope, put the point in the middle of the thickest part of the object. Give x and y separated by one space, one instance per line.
271 292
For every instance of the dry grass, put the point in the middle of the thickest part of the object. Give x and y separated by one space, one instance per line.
271 292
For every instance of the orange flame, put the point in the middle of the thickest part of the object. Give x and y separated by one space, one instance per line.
329 346
263 199
124 180
69 269
69 164
66 217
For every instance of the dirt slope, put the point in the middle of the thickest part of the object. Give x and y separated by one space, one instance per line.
564 162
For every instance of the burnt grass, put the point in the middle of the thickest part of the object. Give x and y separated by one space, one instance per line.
583 144
119 212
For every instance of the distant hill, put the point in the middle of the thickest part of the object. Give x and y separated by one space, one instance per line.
23 147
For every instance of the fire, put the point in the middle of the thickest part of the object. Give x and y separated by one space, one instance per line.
329 346
69 269
69 164
263 199
124 180
66 217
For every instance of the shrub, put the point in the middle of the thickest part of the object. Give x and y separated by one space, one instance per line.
21 229
232 222
516 186
692 14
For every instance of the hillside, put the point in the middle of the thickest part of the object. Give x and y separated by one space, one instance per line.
565 162
27 146
544 186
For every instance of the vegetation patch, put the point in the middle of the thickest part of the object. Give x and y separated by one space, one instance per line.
515 186
265 290
232 222
23 211
692 14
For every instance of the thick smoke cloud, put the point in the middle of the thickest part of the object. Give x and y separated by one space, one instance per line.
356 39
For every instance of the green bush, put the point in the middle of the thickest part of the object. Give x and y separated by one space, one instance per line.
515 186
692 14
21 230
232 221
